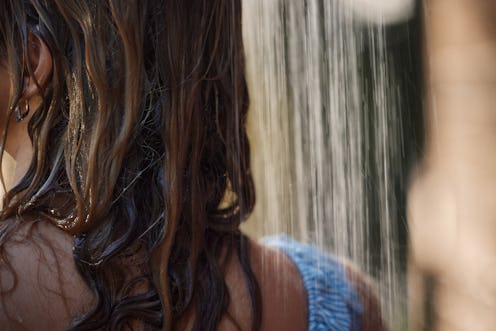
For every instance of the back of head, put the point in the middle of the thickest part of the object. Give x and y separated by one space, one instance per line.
139 149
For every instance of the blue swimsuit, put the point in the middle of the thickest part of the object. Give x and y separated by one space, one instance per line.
333 304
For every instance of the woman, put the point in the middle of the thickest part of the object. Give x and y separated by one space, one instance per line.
126 122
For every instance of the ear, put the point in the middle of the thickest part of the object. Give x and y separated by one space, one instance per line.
40 65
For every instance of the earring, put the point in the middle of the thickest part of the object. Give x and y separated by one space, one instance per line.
21 115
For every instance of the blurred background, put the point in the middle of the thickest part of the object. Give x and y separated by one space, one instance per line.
373 127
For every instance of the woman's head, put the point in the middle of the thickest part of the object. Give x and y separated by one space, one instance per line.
137 134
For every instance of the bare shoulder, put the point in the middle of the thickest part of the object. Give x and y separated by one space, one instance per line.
372 319
283 282
284 297
41 288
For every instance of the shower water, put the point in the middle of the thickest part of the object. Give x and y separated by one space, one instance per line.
324 113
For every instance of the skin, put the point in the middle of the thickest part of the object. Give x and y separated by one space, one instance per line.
283 294
47 273
451 200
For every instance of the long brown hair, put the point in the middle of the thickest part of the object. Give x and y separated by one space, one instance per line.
141 134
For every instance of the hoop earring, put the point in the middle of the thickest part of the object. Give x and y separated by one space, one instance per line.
21 115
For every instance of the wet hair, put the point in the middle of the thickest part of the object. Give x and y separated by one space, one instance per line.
140 151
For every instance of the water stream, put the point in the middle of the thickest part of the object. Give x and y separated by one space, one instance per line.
325 130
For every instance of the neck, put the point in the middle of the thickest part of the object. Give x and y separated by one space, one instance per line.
19 152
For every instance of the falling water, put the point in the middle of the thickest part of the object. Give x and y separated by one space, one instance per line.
324 116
